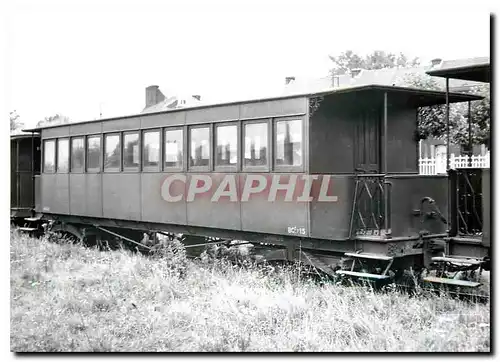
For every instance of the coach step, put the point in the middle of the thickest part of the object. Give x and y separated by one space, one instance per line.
27 230
369 256
454 282
35 218
457 260
361 275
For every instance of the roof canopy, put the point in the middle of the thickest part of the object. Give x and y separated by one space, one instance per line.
413 96
475 72
20 134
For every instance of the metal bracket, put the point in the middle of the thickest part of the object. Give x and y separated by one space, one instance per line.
314 104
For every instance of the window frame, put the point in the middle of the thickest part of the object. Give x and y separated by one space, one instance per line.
227 168
260 168
132 169
104 143
288 168
82 169
57 155
160 158
209 167
101 153
185 158
44 170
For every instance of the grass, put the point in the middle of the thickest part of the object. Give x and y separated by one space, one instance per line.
70 298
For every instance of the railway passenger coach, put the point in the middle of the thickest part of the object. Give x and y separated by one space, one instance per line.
318 177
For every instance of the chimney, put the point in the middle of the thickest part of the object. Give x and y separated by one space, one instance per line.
436 61
153 95
355 72
197 97
336 81
288 80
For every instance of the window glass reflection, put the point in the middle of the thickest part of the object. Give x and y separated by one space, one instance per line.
289 143
227 146
200 147
255 144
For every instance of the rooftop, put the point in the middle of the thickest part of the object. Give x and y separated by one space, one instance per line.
476 69
421 96
387 76
173 102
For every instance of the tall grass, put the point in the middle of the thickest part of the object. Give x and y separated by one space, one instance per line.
71 298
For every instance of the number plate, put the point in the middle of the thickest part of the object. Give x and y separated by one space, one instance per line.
295 230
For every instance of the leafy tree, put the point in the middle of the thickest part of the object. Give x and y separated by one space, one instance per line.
481 115
15 122
379 59
53 120
403 61
431 119
347 61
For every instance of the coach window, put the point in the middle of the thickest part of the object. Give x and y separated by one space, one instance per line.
112 152
199 148
151 150
131 151
226 151
49 156
173 148
93 153
62 155
255 144
288 143
77 154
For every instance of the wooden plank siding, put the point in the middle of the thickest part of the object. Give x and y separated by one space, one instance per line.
137 195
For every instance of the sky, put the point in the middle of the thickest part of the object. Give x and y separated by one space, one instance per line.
82 59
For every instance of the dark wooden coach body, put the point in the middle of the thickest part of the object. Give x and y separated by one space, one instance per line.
363 137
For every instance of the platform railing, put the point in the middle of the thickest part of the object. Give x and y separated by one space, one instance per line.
466 202
371 206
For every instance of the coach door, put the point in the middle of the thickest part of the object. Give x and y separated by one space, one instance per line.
367 141
368 195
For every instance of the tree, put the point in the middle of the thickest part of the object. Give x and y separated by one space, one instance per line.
53 120
15 122
481 115
347 61
431 119
379 59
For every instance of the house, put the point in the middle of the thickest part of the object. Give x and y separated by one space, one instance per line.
386 76
394 76
156 101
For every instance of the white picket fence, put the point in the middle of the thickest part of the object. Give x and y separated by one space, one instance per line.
436 166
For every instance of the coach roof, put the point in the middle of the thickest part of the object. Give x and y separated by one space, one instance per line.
418 97
479 71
